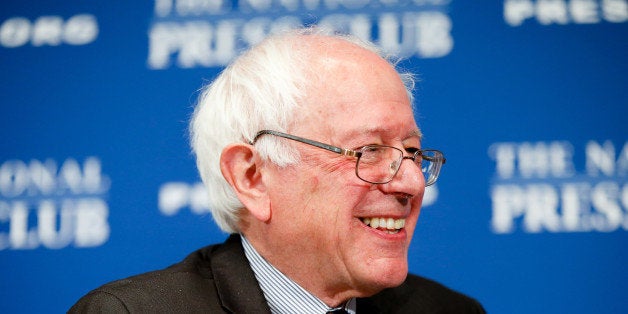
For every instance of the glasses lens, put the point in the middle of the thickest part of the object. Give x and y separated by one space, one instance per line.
378 164
432 160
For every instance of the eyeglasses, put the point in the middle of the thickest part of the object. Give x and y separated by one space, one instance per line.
377 164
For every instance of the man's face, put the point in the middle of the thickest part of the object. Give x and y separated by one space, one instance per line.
320 206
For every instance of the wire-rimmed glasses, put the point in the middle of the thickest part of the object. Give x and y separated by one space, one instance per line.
377 164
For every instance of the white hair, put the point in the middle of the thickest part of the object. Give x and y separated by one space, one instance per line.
260 90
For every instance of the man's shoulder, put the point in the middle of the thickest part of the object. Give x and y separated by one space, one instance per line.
174 287
421 295
195 267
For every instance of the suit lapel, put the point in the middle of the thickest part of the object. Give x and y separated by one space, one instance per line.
368 306
238 290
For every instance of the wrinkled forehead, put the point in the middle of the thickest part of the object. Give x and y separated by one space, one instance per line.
349 85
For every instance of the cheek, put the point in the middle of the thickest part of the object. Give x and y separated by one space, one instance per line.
332 204
321 192
332 179
340 170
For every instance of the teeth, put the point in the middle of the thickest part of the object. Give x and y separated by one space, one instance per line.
400 223
391 224
375 223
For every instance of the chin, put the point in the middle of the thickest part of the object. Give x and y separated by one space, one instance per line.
381 278
395 279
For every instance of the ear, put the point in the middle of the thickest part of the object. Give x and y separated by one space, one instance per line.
241 166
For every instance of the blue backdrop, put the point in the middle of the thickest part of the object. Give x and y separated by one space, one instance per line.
527 98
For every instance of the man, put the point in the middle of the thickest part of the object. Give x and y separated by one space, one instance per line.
312 158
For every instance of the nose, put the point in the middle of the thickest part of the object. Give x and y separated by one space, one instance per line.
409 179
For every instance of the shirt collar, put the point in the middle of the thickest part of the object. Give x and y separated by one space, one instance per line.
282 293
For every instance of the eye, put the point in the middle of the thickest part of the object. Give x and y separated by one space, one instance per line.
411 150
369 148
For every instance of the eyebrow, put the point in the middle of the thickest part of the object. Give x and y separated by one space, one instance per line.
356 134
415 133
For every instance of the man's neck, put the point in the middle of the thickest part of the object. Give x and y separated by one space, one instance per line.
282 293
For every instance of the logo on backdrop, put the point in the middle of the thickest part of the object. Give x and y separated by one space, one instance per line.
51 30
53 204
563 12
190 34
538 188
173 197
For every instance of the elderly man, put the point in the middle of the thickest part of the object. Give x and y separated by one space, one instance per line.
309 149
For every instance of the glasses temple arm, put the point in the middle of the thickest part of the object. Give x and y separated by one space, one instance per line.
328 147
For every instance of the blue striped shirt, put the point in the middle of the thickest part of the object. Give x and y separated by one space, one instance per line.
283 295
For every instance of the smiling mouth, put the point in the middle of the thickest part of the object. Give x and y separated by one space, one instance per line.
388 225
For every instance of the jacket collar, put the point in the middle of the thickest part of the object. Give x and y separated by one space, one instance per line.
238 290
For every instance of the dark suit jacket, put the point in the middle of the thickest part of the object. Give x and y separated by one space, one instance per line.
218 279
